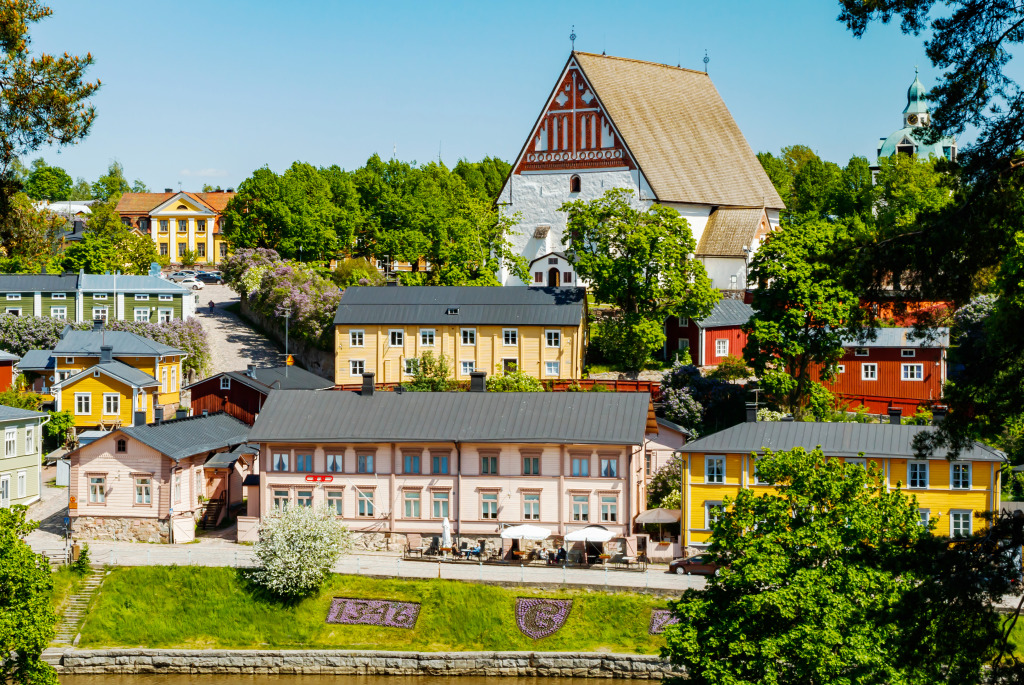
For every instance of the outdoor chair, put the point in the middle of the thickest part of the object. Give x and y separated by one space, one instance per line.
414 547
575 558
435 547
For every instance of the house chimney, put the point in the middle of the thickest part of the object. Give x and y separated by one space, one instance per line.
787 418
751 412
140 418
180 413
894 415
106 354
478 381
367 390
158 414
168 190
97 324
938 414
250 370
206 412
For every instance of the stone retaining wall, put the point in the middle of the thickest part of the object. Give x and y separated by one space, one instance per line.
340 662
120 528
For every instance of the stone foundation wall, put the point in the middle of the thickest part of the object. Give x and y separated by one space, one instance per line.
339 662
121 528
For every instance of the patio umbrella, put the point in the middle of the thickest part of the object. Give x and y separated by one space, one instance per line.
660 516
446 533
525 532
590 534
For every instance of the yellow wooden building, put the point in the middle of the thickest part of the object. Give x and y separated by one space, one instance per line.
950 492
179 222
109 378
385 330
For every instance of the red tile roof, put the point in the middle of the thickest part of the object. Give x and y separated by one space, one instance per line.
142 203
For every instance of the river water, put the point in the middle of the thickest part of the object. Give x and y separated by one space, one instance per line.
308 680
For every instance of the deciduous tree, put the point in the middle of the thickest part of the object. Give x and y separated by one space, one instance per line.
47 182
639 260
112 184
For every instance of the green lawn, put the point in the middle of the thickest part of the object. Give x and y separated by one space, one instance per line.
65 583
211 607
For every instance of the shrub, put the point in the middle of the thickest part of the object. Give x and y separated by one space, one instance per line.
731 368
354 271
81 564
665 481
60 426
629 340
433 374
237 268
682 408
20 399
514 381
766 414
721 402
297 549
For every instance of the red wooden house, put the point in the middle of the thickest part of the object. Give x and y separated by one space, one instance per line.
7 371
713 338
243 393
897 369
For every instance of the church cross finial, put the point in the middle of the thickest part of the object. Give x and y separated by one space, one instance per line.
706 60
572 37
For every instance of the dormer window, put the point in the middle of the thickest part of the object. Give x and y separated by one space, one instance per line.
574 184
452 311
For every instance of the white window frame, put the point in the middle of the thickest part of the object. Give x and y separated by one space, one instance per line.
412 504
952 475
164 315
97 489
352 367
59 313
356 334
411 366
841 368
101 313
924 517
553 339
510 337
467 334
609 508
141 314
908 353
440 504
959 514
30 439
424 333
531 506
58 296
396 337
489 505
905 368
22 479
864 372
858 461
141 297
166 298
99 296
720 478
143 491
910 478
10 442
69 360
365 503
80 398
225 382
580 508
5 490
708 505
16 311
467 367
111 398
13 297
721 347
552 368
861 352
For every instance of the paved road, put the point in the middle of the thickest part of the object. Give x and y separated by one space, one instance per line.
49 511
233 344
223 553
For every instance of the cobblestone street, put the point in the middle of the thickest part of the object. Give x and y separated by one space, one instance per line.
233 344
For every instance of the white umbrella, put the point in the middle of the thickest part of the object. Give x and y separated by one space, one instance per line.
590 534
525 532
446 533
659 516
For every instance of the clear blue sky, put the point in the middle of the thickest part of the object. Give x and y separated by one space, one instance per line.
206 92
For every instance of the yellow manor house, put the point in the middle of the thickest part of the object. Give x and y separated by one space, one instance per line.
950 492
385 330
179 222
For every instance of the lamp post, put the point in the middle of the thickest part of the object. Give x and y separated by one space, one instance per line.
287 317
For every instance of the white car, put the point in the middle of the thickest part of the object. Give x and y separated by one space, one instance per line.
191 282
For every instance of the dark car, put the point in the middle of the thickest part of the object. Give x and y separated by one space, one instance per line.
210 277
700 564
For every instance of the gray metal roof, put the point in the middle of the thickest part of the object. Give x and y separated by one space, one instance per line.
727 313
674 426
296 378
124 283
902 337
15 414
6 356
222 460
119 370
835 439
88 343
36 360
544 417
20 283
180 438
477 306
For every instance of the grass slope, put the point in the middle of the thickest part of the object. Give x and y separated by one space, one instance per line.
192 607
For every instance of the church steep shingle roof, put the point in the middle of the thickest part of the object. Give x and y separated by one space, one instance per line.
680 132
728 231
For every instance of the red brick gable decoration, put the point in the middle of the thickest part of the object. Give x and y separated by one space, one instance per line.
574 131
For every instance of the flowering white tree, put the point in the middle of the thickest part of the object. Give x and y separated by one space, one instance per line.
297 548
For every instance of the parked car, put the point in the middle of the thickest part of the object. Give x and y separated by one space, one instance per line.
700 564
179 276
191 282
210 277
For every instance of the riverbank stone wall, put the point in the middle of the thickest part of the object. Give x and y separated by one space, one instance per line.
120 528
342 662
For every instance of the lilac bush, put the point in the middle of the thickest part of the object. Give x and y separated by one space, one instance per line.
660 619
297 289
373 612
240 263
682 408
538 618
19 334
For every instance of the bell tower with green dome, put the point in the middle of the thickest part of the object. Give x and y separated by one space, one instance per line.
908 140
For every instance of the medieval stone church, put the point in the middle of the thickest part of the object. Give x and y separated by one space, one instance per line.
663 132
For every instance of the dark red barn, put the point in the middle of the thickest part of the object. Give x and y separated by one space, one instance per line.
243 393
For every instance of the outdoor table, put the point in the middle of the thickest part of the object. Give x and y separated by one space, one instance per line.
626 561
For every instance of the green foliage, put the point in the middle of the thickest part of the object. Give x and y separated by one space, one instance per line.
356 271
81 190
112 184
47 182
61 426
800 309
13 397
190 258
666 482
213 607
640 261
484 178
27 619
29 236
108 246
831 579
730 368
433 374
821 402
81 564
514 381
